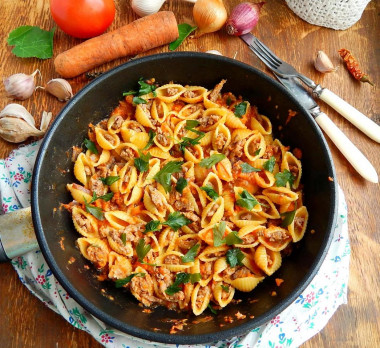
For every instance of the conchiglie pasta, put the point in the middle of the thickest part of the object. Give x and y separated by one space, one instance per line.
262 124
94 250
268 260
280 195
79 193
213 212
170 93
193 94
83 169
106 141
85 223
119 267
291 163
221 296
298 226
200 298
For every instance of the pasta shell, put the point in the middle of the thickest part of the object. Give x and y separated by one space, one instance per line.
221 114
119 266
222 297
117 245
213 212
246 284
168 239
249 234
262 124
229 203
185 242
159 110
240 134
139 139
164 138
269 210
188 169
160 210
264 178
106 141
223 170
97 160
169 93
180 131
130 128
118 218
114 124
200 298
198 194
94 250
253 144
268 260
214 182
128 178
221 138
219 266
280 195
187 291
127 151
193 94
298 226
211 253
291 163
190 111
194 153
79 193
146 178
83 169
159 153
143 116
207 102
275 238
85 223
133 196
206 140
172 261
244 218
234 122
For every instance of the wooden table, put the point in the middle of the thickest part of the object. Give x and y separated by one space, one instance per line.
25 322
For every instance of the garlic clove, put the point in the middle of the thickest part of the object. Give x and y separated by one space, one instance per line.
45 120
323 63
146 7
20 86
214 52
16 130
60 88
18 111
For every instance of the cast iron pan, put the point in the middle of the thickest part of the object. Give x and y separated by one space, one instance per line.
116 307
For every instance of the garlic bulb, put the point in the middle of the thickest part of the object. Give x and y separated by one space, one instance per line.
20 86
17 124
323 63
60 88
147 7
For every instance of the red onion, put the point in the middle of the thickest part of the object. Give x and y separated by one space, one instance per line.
243 18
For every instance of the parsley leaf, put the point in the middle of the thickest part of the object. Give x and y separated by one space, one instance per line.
233 238
138 100
269 165
146 88
225 288
31 41
288 217
284 177
213 311
152 226
212 160
94 211
90 146
210 192
184 31
240 109
257 151
121 282
150 141
189 256
142 249
247 168
142 162
228 101
164 175
246 200
123 238
176 220
129 93
109 180
181 278
181 184
195 277
218 233
187 142
105 197
190 124
235 257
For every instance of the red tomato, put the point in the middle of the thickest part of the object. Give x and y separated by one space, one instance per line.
83 18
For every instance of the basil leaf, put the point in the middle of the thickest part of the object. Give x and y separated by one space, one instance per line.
240 109
269 165
145 88
233 238
184 31
121 282
123 238
210 192
213 311
152 226
212 160
129 93
189 256
181 184
31 41
284 177
105 197
225 288
90 146
164 175
142 162
218 233
109 180
288 217
150 141
142 249
176 220
195 277
94 211
235 257
246 200
138 100
247 168
181 278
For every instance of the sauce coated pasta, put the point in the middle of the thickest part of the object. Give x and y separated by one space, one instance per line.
184 197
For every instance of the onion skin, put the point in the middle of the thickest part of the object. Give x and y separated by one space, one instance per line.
209 15
243 18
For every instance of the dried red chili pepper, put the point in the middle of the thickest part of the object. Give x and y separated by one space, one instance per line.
353 66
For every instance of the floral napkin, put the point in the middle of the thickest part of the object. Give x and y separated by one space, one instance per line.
304 318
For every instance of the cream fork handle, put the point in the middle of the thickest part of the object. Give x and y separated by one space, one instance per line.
365 124
348 149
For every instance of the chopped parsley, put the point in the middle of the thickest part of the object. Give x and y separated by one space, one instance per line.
235 257
121 282
247 168
90 145
105 197
144 88
181 184
288 217
94 211
210 192
283 177
241 109
218 233
142 162
109 180
189 256
246 200
150 141
138 100
164 175
152 226
269 165
176 220
233 238
123 238
142 249
212 160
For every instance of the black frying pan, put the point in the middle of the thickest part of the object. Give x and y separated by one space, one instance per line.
53 170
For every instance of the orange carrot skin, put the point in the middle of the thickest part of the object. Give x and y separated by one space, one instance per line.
134 38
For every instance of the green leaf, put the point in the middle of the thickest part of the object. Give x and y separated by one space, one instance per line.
184 30
129 93
142 162
90 146
138 100
210 192
94 211
181 184
225 288
145 88
213 310
123 238
240 109
105 197
228 101
150 141
109 180
176 220
288 217
257 151
181 278
269 165
246 200
235 257
192 123
284 177
164 175
195 277
152 226
212 160
218 233
121 282
189 256
247 168
31 41
142 249
188 142
233 238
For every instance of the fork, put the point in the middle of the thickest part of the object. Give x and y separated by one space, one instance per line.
283 69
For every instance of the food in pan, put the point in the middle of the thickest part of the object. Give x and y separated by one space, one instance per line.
184 196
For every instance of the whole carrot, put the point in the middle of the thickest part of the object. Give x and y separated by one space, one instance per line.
137 37
353 66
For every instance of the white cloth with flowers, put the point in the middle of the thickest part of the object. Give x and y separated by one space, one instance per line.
305 317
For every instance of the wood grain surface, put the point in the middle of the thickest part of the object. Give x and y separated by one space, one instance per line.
26 322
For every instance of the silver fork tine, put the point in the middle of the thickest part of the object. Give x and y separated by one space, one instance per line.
268 57
263 58
268 51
